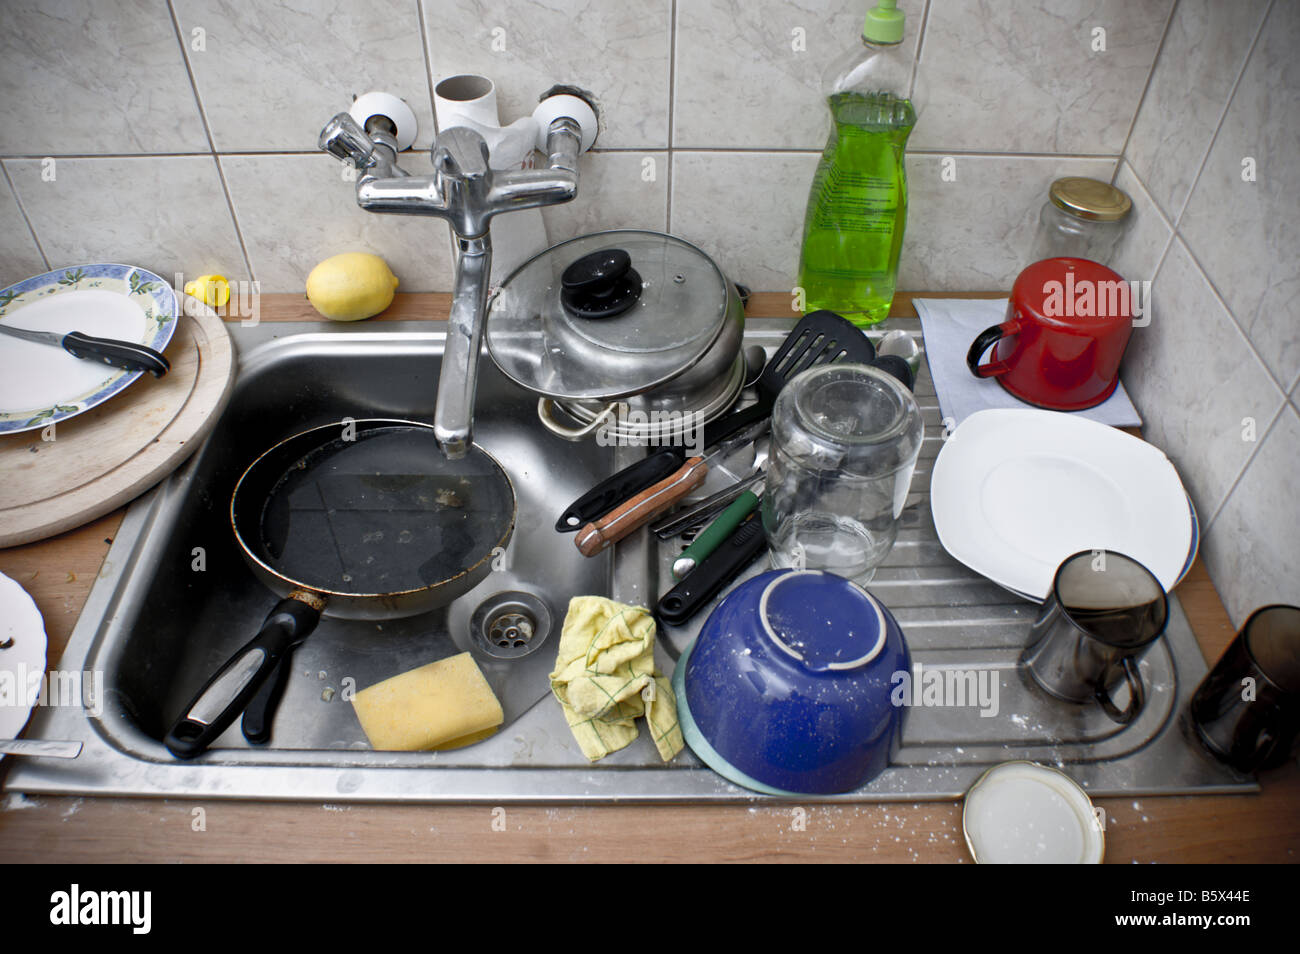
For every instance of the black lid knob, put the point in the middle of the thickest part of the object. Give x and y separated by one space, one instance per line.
601 284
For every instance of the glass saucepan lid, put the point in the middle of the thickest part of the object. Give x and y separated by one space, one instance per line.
607 316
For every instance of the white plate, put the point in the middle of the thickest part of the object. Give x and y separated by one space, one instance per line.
1015 492
1024 813
21 622
41 384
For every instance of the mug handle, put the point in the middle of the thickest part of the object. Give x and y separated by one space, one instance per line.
1136 695
983 341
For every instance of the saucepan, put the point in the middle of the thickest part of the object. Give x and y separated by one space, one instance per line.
361 519
637 333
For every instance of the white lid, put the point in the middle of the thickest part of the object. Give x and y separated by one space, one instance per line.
1023 813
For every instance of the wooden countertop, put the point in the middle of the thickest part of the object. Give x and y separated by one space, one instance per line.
58 573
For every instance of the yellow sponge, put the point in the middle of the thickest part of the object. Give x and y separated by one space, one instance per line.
443 705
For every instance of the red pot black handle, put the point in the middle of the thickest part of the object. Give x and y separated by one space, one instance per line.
230 690
985 340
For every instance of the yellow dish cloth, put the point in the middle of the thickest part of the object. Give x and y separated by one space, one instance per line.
605 679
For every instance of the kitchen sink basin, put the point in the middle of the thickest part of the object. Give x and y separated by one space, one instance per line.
174 600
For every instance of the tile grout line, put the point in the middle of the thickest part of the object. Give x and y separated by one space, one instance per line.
428 60
1250 459
1169 239
107 155
1175 225
420 10
738 150
1223 114
1146 88
920 46
13 190
212 144
1236 322
672 97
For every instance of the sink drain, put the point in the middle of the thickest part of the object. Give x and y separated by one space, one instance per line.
511 624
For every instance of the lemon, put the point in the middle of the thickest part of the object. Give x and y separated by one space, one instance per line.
213 290
351 286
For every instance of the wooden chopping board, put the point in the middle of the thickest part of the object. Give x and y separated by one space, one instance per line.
111 454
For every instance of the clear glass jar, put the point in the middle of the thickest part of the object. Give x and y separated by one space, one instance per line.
1082 218
845 438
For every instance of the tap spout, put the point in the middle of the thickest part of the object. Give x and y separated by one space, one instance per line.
404 195
453 415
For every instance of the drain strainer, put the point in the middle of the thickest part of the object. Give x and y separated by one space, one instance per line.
511 624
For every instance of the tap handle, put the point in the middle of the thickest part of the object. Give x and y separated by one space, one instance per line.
460 152
344 139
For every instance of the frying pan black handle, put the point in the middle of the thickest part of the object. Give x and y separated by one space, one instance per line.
227 693
615 489
260 711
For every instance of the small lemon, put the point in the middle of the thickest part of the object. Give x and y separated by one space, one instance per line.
212 290
351 286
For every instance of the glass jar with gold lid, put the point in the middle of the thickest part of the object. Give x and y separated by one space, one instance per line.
1082 218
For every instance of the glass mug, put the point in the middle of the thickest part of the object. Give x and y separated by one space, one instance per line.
1105 610
845 439
1246 710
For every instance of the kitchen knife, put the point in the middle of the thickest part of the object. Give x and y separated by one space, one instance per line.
704 511
111 351
40 747
650 503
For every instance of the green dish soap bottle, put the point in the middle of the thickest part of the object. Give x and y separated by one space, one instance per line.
857 208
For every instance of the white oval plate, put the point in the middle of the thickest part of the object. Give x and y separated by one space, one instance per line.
22 630
41 384
1016 491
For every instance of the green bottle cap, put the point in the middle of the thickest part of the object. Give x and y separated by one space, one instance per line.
884 23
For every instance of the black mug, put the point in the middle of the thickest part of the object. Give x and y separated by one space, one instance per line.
1105 610
1246 711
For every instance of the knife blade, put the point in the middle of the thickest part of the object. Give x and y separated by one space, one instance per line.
40 747
113 352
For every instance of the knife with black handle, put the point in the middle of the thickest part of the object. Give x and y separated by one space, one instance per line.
118 354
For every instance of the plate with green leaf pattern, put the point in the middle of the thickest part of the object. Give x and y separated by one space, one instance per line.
41 385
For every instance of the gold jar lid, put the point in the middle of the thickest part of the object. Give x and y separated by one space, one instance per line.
1090 199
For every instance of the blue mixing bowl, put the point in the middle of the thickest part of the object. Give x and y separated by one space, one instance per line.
787 689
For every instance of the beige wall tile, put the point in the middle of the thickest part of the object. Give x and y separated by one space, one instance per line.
1245 233
1024 77
294 211
273 74
165 214
617 51
94 78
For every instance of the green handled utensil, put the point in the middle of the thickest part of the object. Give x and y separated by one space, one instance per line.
717 532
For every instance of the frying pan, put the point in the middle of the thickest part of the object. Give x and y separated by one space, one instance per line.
358 520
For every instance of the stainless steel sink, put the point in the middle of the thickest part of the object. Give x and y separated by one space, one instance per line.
174 600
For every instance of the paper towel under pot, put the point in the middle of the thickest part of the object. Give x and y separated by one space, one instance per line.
635 328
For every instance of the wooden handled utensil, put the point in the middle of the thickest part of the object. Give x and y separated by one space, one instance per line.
656 499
